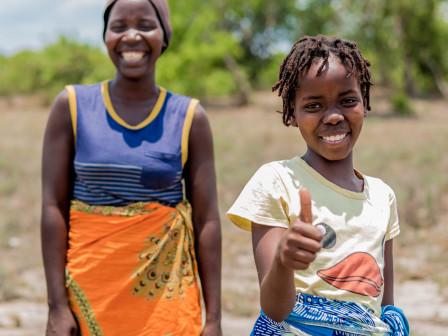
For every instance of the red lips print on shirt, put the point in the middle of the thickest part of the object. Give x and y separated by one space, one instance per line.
358 273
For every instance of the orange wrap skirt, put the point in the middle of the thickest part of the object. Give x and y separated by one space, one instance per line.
132 271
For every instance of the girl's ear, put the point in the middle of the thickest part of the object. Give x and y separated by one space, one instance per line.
294 121
292 117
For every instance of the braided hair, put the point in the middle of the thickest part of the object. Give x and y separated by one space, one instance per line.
300 59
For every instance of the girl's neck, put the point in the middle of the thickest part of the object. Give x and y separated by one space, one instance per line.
340 172
134 89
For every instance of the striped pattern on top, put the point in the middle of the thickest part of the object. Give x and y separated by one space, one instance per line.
116 163
112 184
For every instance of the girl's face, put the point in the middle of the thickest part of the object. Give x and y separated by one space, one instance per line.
134 38
329 110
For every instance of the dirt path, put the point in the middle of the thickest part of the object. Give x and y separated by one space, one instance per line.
424 306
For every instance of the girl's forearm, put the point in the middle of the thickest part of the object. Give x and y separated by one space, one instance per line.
277 292
54 249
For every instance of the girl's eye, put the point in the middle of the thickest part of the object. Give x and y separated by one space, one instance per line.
349 102
313 107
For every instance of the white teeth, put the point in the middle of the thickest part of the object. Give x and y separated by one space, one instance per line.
132 56
335 138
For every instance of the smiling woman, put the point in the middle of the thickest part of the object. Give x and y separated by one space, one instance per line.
130 225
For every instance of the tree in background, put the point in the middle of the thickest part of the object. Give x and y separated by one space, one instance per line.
228 47
47 71
196 63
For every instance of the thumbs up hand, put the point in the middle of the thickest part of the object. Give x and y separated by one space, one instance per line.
300 243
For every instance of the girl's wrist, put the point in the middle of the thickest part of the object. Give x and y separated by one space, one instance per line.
279 268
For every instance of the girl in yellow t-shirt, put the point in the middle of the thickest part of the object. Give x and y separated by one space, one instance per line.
324 253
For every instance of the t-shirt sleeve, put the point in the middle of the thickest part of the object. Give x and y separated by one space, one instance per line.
262 201
394 226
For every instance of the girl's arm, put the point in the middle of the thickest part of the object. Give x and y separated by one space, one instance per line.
201 192
58 151
388 296
277 290
278 252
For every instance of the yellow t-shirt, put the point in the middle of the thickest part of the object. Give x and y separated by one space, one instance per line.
356 224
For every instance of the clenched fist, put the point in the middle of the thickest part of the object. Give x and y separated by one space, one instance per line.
300 243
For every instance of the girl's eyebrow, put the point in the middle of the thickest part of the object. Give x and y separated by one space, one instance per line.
312 97
350 91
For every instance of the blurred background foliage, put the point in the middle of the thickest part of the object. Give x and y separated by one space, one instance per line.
227 48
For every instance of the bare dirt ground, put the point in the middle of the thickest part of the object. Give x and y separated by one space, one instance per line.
427 312
409 154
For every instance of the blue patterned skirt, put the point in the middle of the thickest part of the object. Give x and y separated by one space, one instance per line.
318 316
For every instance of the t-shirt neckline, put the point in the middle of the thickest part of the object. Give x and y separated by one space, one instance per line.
348 193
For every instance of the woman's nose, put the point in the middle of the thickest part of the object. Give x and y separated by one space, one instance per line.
132 35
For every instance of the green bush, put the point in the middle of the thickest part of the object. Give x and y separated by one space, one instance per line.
401 105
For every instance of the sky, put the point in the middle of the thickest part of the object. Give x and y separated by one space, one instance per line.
31 24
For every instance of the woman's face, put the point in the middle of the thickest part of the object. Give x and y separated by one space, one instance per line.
329 110
134 38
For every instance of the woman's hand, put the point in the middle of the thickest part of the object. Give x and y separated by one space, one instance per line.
300 243
61 322
212 328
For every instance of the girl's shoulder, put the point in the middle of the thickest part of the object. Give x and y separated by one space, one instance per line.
376 187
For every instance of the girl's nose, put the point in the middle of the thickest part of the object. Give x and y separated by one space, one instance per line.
333 116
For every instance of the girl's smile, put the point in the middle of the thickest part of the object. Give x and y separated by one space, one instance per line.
329 110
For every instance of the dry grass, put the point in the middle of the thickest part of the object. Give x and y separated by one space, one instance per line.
409 154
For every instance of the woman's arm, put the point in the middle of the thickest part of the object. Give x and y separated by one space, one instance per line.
58 150
388 296
201 192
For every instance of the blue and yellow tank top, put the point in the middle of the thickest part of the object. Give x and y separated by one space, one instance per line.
116 163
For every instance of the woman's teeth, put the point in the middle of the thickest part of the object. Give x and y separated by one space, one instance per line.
132 56
334 138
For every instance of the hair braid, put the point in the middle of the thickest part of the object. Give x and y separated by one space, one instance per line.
300 59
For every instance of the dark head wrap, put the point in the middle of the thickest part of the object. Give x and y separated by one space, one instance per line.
163 14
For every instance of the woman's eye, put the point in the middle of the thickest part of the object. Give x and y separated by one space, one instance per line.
146 26
118 28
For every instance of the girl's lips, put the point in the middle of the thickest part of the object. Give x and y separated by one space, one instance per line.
334 139
358 273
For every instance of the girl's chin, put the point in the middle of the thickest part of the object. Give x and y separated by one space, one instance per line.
333 155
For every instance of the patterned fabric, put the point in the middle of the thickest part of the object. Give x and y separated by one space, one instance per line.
119 164
132 270
356 226
317 316
394 317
